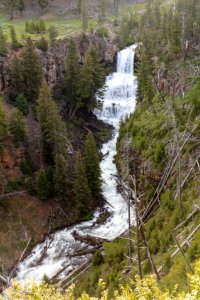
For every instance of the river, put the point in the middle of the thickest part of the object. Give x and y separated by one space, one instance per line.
52 257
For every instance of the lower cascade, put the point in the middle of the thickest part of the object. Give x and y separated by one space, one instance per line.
54 257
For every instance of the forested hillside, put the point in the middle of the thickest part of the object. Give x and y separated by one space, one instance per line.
52 75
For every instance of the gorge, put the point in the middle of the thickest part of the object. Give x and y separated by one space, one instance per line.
54 257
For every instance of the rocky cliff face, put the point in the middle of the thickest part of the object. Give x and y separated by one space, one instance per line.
54 60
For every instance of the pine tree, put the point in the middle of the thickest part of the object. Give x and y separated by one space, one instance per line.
3 127
54 138
53 35
60 176
91 80
44 185
81 187
10 6
16 72
92 167
79 7
43 3
72 78
22 104
52 127
17 126
3 49
32 72
14 42
102 11
84 15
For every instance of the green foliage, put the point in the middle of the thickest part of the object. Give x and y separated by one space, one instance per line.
53 34
84 15
42 44
35 27
14 42
54 138
16 72
45 184
3 127
72 78
10 6
17 126
14 185
91 80
22 104
92 167
26 167
43 3
32 72
3 44
97 259
102 32
81 187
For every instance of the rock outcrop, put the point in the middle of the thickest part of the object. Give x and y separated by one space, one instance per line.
54 60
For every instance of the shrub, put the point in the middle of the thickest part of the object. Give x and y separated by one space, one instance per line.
22 104
42 44
97 259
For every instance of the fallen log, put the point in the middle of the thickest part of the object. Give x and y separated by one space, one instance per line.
4 280
88 239
186 241
13 194
194 212
86 251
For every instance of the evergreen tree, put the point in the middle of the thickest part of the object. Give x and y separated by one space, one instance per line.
22 104
32 72
45 184
91 80
10 6
14 42
92 166
54 138
60 176
53 35
17 126
3 127
102 11
16 72
43 3
81 187
3 49
72 78
42 44
52 127
84 15
79 7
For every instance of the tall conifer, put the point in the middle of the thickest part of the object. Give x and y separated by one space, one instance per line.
93 171
81 187
32 72
72 77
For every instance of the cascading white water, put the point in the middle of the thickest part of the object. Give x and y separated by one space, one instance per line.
52 256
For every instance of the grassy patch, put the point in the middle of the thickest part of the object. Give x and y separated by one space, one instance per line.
63 27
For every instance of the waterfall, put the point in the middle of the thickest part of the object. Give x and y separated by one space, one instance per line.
52 256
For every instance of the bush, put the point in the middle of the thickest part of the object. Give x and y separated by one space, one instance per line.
26 167
17 126
35 27
102 31
45 184
42 44
30 186
22 104
97 259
